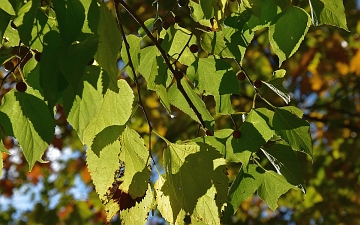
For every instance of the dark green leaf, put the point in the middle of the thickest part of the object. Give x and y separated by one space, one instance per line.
245 184
285 37
291 128
70 15
285 162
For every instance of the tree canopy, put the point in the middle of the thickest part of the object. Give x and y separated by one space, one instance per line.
180 112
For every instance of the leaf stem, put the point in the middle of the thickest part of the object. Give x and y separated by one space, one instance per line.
164 56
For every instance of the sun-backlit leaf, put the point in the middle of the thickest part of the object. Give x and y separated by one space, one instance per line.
138 214
255 133
178 100
115 109
187 166
107 162
31 121
109 45
134 48
136 160
175 42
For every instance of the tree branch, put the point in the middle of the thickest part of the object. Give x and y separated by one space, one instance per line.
127 47
164 56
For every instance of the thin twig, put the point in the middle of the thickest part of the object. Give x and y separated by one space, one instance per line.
252 83
232 119
13 69
127 47
182 51
167 61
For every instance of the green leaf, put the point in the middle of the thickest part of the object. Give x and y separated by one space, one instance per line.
106 163
188 166
41 26
233 40
273 186
223 104
179 101
291 128
31 72
70 15
92 16
139 213
281 3
202 11
109 45
268 11
52 80
285 38
83 104
7 7
174 42
238 34
115 109
255 6
25 20
31 122
214 77
255 133
163 96
275 84
245 184
76 57
136 158
214 43
285 162
134 48
4 22
149 23
331 12
152 66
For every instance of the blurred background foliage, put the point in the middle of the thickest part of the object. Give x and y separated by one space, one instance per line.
323 78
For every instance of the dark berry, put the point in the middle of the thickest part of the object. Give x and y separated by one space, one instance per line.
182 3
258 83
236 134
38 56
209 133
177 19
12 24
165 25
21 86
194 48
9 65
178 75
241 76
